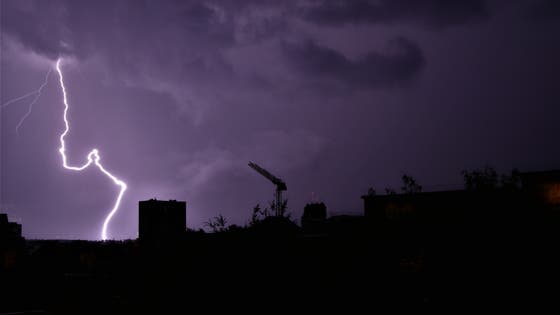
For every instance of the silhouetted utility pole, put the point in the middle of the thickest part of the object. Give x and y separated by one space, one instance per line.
280 186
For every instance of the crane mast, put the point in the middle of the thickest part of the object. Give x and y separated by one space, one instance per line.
280 185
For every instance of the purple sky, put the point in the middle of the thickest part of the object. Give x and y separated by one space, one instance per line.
333 97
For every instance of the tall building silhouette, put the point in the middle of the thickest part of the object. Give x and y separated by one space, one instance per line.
9 230
11 244
314 217
159 219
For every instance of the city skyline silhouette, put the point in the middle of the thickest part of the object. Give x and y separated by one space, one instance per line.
166 156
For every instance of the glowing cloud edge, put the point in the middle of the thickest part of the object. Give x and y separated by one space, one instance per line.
92 157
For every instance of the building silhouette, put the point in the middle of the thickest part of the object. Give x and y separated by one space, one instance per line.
9 230
161 220
11 244
538 192
314 217
542 188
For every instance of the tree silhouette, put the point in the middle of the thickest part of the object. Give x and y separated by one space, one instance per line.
481 180
410 186
217 223
512 181
390 191
258 214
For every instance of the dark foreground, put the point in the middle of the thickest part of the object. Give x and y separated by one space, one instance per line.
363 269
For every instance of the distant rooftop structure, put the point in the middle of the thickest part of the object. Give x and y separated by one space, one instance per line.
314 217
543 187
538 190
9 230
161 220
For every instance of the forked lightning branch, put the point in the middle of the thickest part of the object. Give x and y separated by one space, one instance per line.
93 156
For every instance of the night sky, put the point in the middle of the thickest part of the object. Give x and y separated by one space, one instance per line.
334 97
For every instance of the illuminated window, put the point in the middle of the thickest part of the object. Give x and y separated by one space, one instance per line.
552 193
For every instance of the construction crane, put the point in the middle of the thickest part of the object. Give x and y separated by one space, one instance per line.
280 186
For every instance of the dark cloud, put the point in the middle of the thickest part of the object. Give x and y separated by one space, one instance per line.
82 28
403 61
438 13
544 10
19 20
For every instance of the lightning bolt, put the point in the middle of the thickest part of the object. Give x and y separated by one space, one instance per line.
37 94
92 157
19 98
30 108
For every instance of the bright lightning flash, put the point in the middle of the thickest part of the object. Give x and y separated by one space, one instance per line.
92 157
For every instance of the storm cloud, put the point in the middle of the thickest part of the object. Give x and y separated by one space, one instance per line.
372 70
434 13
544 10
